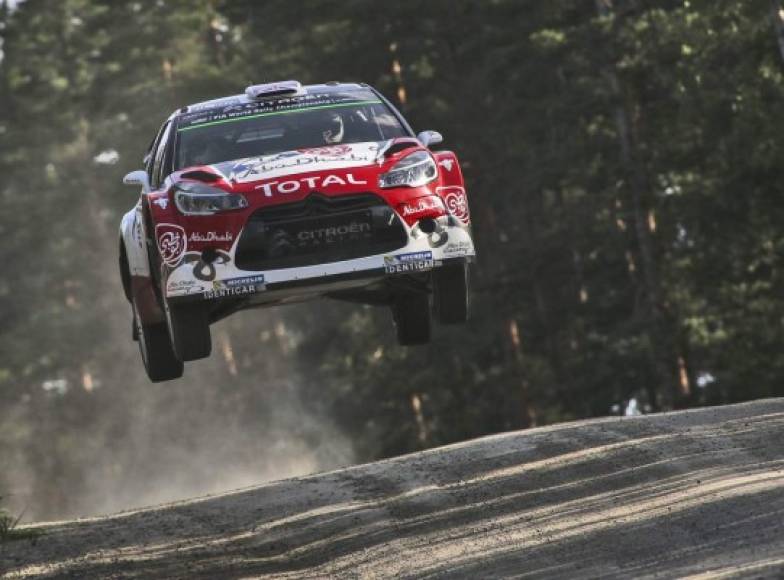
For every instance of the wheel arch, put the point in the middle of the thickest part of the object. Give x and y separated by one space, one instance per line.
138 284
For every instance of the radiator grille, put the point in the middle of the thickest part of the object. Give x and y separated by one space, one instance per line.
317 230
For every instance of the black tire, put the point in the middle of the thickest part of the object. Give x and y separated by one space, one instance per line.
157 353
411 313
189 328
450 293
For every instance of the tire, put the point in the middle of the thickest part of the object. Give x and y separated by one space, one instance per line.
450 294
156 350
411 313
189 328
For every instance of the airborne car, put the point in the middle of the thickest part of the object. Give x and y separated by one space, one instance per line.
287 193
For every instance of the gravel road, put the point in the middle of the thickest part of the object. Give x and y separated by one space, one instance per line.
696 493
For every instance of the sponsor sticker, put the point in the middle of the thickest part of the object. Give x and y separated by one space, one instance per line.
411 262
293 185
247 280
210 237
278 166
236 287
456 202
172 243
181 285
328 151
421 205
231 109
228 292
335 233
457 248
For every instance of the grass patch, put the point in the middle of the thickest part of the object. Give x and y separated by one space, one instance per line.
9 529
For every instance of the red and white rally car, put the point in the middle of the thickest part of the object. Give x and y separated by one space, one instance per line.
287 193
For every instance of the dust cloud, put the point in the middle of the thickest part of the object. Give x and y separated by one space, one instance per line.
109 440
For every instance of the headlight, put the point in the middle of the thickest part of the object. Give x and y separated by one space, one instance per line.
411 171
200 199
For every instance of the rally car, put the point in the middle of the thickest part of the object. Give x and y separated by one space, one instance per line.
288 193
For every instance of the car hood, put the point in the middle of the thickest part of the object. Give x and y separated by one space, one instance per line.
308 160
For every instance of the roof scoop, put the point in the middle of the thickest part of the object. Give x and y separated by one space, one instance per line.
200 175
270 90
396 145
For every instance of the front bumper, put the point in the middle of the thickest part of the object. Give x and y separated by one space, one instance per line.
216 277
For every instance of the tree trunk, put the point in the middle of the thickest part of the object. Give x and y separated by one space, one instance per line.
527 411
662 352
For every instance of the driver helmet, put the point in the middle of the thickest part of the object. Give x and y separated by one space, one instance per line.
332 128
200 151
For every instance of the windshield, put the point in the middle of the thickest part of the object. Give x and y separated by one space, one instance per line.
241 130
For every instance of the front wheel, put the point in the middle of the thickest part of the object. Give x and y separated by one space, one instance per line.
157 354
189 328
450 293
411 313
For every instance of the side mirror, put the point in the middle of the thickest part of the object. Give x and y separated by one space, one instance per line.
138 177
428 138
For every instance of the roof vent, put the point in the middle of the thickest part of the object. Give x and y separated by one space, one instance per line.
400 144
201 175
279 89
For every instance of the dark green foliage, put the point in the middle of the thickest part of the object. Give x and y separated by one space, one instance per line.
624 165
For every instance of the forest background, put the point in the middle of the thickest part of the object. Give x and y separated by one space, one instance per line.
624 166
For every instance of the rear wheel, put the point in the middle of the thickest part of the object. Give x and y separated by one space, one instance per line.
411 313
156 350
450 293
189 328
